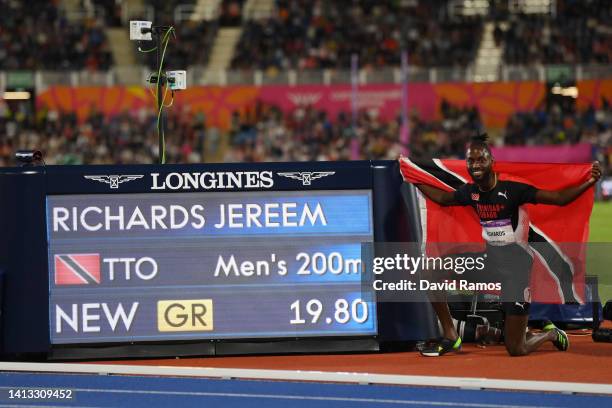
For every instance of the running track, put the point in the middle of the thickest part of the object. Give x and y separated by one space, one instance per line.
148 391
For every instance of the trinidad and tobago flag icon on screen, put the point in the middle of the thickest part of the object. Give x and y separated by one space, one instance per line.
77 269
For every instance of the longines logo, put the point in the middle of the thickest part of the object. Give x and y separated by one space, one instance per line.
211 180
306 177
115 179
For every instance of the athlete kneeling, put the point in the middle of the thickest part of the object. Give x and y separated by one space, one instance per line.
497 203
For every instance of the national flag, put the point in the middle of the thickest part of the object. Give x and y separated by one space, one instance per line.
77 269
556 233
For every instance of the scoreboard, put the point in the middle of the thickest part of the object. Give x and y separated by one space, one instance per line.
96 256
208 265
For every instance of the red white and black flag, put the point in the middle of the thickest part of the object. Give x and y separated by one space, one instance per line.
557 234
77 269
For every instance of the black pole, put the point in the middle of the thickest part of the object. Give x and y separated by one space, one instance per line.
160 123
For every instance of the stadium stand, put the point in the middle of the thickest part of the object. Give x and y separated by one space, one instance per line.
296 35
308 134
326 34
37 35
125 138
554 126
231 12
194 40
577 32
265 133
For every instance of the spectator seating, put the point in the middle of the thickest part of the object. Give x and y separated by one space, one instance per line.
35 35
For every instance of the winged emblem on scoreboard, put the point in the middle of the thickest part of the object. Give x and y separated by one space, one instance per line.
114 179
306 177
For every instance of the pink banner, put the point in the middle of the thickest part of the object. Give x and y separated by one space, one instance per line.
496 101
382 99
579 153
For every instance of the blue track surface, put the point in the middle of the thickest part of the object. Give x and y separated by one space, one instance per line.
137 391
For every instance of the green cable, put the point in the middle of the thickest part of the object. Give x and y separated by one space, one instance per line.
162 135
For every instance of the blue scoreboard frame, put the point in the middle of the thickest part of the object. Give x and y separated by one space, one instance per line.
120 261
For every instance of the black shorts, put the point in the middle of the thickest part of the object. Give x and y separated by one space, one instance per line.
510 267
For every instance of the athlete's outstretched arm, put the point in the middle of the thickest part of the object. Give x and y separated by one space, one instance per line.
437 195
566 196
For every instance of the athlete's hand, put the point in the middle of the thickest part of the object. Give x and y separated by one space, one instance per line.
595 172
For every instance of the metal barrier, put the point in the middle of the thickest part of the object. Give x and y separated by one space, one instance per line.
200 75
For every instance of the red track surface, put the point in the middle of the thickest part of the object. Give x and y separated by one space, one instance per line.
585 361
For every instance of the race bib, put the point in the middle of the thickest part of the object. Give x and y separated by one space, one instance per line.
498 232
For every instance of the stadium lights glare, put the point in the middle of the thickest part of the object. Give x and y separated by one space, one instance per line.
569 91
16 95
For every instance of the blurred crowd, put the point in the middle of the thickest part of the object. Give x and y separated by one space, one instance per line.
577 33
265 133
558 124
303 34
193 40
307 34
552 124
127 138
36 35
231 12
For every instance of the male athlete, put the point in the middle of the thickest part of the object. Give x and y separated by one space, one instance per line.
497 204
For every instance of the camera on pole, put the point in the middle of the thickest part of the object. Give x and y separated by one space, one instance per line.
173 80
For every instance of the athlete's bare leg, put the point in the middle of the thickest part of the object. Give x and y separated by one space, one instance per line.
446 321
516 340
439 302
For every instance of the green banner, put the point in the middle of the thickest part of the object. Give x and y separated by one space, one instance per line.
559 73
19 79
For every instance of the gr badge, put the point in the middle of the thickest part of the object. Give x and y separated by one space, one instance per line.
185 315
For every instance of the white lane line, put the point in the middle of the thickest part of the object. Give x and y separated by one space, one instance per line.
320 376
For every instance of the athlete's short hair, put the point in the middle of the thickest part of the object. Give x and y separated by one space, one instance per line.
481 141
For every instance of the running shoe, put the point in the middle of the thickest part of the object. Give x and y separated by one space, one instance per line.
441 348
547 326
561 342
